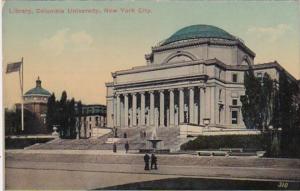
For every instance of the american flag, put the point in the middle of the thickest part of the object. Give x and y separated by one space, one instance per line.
13 67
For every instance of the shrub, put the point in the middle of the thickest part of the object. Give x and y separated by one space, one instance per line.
254 142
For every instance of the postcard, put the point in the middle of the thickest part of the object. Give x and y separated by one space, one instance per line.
151 95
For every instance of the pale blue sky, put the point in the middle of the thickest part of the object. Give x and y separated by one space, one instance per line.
88 47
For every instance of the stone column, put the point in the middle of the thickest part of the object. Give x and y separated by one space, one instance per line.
191 107
202 104
115 111
151 108
207 102
133 109
171 107
118 111
181 105
213 107
126 110
162 108
142 123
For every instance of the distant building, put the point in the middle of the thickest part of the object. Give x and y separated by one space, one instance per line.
92 118
35 101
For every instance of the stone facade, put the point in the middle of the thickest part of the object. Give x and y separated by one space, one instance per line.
185 81
35 102
93 117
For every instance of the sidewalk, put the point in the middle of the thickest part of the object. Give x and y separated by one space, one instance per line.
133 158
246 173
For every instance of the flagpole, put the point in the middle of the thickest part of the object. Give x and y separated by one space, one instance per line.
22 98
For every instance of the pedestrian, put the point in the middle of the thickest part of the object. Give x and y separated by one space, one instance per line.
126 146
125 135
153 161
146 159
114 147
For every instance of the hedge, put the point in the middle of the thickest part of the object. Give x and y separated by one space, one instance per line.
250 142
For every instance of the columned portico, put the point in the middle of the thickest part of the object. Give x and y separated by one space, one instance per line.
142 122
118 111
162 108
181 105
171 107
126 110
202 104
191 107
151 108
134 109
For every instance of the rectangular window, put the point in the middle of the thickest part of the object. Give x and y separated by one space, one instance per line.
234 101
90 126
220 94
234 117
96 121
90 118
234 77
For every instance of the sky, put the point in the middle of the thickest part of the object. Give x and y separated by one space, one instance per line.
78 52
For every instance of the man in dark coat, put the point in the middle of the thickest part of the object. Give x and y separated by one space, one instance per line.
126 146
146 159
153 161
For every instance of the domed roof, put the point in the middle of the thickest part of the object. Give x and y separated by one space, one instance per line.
38 90
199 31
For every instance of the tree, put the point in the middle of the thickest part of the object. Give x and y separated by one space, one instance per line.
288 92
266 103
71 119
250 101
63 112
79 115
51 112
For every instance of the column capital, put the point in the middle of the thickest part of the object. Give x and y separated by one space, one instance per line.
161 91
142 92
181 89
191 87
133 93
171 90
125 94
151 91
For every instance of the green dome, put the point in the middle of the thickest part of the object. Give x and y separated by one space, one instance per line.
199 31
38 90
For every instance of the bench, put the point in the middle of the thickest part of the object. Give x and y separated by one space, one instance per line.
212 153
237 150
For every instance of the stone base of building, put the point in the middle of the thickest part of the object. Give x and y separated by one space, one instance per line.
193 130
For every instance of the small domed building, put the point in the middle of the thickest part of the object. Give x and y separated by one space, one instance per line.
35 101
193 77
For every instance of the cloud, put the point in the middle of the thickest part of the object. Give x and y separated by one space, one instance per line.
55 43
63 39
270 34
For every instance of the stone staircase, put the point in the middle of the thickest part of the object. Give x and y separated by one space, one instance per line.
170 137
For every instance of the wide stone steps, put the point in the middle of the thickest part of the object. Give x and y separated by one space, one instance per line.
170 137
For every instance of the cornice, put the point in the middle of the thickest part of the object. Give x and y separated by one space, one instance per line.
208 41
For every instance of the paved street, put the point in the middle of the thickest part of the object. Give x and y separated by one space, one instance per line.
57 175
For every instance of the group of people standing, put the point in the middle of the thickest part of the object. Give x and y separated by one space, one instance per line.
152 159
